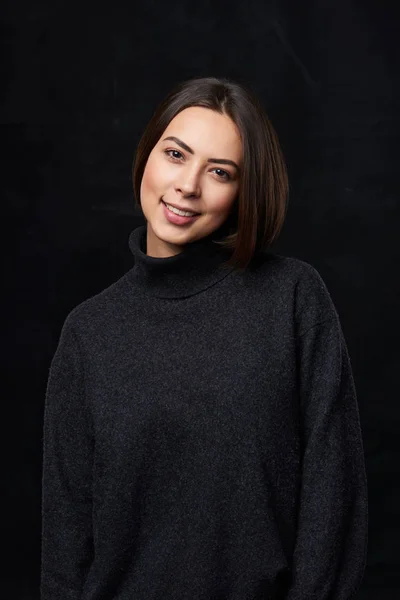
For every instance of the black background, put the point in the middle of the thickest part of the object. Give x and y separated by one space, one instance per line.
80 82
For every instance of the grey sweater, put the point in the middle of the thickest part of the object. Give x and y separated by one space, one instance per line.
202 438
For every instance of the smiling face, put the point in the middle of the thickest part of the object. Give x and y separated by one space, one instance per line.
195 171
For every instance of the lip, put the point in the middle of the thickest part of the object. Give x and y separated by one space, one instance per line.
177 219
181 208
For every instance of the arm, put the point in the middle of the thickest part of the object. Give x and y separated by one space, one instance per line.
67 476
332 529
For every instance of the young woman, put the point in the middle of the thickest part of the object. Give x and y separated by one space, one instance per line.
202 438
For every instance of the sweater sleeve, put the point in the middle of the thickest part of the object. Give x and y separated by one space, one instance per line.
332 528
67 542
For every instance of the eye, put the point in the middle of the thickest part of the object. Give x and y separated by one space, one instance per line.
173 157
225 175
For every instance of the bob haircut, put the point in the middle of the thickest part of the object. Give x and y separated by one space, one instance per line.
259 210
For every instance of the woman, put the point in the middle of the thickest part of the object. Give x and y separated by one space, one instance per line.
202 436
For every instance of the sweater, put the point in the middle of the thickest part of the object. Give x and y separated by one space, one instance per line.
202 437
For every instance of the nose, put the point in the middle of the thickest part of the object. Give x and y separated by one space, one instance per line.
188 183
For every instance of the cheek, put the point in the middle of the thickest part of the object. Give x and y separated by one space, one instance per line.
223 201
148 179
155 178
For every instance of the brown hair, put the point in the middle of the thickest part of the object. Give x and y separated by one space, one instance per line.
259 210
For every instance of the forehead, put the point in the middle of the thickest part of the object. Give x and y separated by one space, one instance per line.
206 131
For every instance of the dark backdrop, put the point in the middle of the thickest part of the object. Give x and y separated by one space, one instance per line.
80 83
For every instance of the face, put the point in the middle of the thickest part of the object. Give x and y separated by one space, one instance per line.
195 171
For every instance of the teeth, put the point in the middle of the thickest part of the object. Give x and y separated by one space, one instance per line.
183 213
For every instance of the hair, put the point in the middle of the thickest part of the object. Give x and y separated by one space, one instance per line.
259 210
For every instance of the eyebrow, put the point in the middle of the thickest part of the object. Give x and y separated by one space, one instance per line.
221 161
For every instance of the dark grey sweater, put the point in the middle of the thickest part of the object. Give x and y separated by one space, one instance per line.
202 438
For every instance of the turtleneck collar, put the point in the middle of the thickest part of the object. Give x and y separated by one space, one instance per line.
200 265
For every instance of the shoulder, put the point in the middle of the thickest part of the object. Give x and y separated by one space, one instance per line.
300 285
288 269
289 266
104 309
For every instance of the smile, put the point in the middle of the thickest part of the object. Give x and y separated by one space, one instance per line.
182 213
178 217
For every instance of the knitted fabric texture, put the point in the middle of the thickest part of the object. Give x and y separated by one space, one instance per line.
202 437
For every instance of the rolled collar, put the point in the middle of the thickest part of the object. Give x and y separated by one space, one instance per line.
201 264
